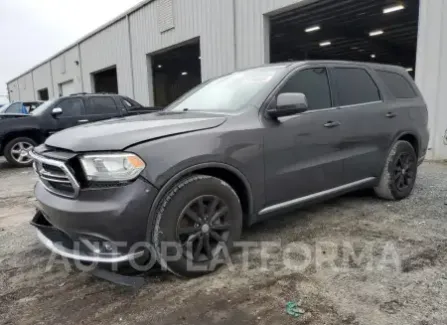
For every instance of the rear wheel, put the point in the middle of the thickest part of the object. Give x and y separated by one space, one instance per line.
17 150
196 221
399 175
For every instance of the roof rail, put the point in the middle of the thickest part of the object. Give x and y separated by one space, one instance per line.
77 94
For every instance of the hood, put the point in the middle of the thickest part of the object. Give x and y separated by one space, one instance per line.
12 115
118 134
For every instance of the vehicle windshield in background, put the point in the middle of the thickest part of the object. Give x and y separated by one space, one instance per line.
39 110
228 93
13 108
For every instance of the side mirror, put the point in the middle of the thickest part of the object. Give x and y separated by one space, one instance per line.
289 104
56 111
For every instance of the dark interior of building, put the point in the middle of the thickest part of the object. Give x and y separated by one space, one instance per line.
106 81
382 31
43 94
175 72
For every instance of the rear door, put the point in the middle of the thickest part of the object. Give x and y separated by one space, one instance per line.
100 108
365 130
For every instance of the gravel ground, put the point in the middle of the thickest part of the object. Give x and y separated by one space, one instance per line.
401 280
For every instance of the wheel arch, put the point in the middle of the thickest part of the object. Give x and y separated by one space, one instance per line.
33 134
225 172
412 139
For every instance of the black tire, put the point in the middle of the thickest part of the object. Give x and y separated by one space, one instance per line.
11 155
399 174
172 219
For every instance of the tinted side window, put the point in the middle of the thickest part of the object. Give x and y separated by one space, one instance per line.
314 84
101 105
398 85
354 86
70 107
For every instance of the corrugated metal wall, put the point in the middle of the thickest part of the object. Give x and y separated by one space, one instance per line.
26 86
211 20
431 71
42 79
64 69
13 88
108 48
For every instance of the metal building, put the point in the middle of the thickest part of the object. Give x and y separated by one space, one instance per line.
132 53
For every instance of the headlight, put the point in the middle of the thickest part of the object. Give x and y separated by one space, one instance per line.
112 167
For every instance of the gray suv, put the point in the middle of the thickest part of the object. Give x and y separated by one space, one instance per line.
233 151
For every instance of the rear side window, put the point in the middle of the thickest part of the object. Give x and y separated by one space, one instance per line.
129 103
397 84
101 105
314 84
355 86
71 107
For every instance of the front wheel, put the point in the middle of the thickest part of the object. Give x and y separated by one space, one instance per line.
17 150
198 218
399 174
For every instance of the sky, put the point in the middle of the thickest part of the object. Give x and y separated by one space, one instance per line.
33 30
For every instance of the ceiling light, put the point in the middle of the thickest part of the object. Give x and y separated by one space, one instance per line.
393 9
184 73
325 43
376 32
312 29
409 69
159 66
373 56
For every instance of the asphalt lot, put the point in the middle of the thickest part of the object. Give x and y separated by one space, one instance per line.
381 289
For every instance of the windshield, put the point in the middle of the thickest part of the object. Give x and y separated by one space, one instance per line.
228 93
42 108
13 108
4 108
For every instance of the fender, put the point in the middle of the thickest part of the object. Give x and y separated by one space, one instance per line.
396 138
168 185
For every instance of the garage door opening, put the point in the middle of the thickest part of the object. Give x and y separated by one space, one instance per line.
105 81
42 94
175 72
383 31
66 88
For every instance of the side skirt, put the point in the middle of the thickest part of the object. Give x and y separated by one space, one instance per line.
327 193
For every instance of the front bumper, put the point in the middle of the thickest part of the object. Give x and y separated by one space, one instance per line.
103 226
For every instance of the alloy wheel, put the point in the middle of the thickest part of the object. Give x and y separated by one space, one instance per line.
20 152
203 226
404 171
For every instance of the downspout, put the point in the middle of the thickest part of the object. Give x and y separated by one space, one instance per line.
129 35
80 67
234 36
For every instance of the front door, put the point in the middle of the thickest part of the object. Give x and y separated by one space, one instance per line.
302 155
72 111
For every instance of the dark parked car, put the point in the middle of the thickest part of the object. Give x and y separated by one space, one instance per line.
233 151
20 132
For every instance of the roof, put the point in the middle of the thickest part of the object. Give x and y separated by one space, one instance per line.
89 35
360 63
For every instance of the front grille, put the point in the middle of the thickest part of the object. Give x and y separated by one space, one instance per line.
56 176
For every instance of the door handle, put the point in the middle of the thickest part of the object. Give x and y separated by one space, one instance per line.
332 124
391 115
83 121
